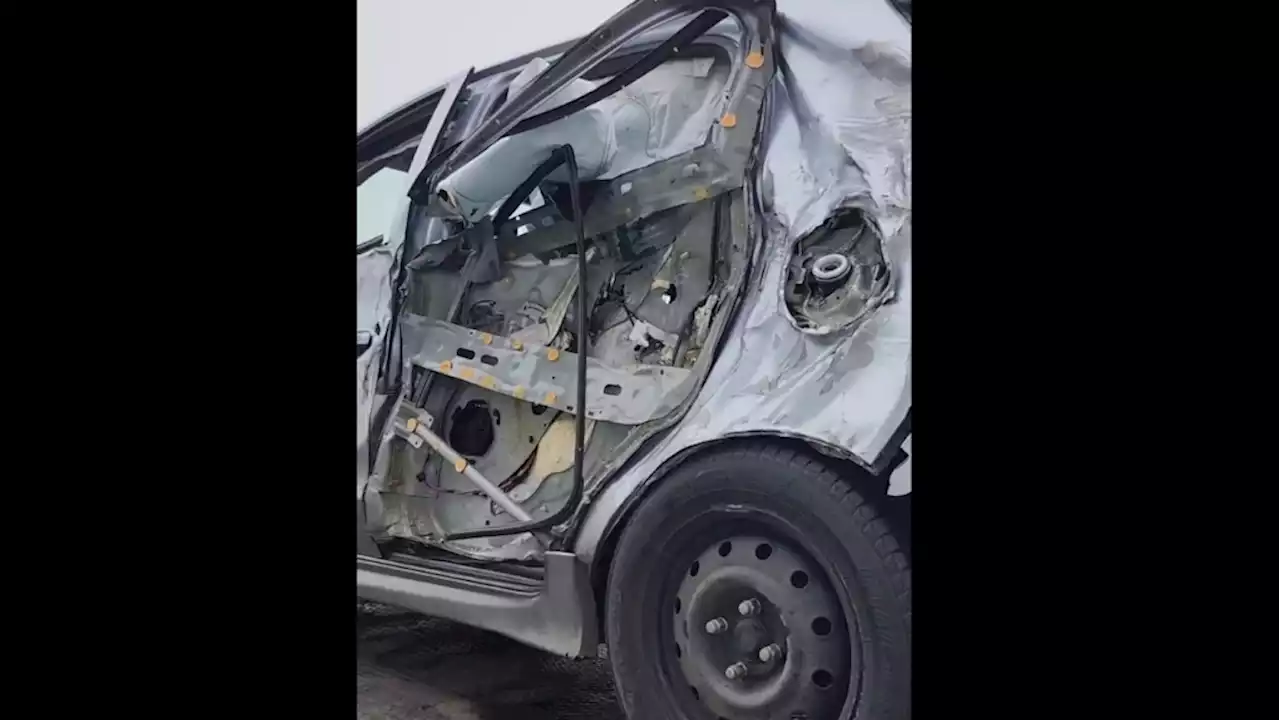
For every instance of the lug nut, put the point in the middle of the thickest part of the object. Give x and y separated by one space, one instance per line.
735 671
769 653
747 608
717 626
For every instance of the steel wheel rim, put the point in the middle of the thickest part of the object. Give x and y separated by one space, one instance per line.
759 630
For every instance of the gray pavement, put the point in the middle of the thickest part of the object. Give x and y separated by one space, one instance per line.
413 666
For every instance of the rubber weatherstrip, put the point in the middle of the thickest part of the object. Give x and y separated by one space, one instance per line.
526 188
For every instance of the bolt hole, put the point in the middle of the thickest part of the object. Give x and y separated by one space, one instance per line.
693 571
471 430
488 360
467 353
821 626
725 549
763 551
678 609
679 652
822 678
799 579
612 389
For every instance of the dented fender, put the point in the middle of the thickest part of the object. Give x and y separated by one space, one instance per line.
846 389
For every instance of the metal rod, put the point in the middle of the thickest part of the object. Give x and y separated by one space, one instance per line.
469 472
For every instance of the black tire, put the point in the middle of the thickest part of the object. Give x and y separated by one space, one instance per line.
804 504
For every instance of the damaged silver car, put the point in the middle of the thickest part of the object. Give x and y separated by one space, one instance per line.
633 355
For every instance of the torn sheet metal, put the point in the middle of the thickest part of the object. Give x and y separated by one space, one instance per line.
372 292
835 138
838 274
824 150
662 115
375 279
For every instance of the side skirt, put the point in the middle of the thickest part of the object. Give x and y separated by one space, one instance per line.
556 614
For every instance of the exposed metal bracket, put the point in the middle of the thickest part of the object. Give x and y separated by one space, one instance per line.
406 427
420 429
628 395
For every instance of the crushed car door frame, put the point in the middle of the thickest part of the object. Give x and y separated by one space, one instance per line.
373 414
569 630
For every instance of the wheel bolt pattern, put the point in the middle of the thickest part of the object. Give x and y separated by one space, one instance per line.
753 644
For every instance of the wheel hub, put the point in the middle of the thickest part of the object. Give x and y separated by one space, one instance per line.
749 636
758 631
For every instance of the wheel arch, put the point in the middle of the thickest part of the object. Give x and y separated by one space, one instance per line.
868 482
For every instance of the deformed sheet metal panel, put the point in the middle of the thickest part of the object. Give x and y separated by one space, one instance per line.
629 395
823 150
